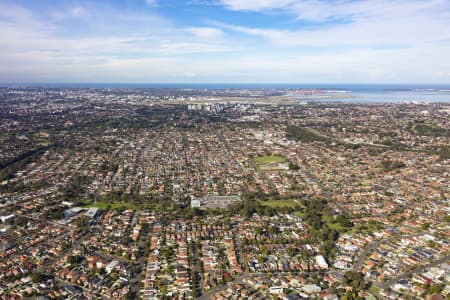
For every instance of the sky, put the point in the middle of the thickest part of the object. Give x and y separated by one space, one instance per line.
225 41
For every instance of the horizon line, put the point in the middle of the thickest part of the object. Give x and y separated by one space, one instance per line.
226 83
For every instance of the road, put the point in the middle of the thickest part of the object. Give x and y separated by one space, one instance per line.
373 245
325 190
144 241
217 289
63 283
362 256
404 275
240 279
198 279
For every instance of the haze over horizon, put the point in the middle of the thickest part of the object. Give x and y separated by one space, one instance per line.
227 41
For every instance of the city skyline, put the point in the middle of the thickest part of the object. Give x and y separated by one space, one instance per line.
228 41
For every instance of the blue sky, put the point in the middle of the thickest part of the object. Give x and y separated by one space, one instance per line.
229 41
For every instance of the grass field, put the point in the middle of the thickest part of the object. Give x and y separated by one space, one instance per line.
374 290
299 214
104 205
42 138
331 223
264 162
366 227
280 203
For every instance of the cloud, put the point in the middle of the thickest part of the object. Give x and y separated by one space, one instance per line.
375 24
321 10
256 5
70 12
152 2
359 41
205 32
44 46
77 11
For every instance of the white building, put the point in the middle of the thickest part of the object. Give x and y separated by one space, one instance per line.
321 262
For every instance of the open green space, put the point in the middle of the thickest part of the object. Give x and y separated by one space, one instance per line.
42 138
369 226
305 134
332 223
374 290
428 129
299 214
268 162
264 160
340 223
281 203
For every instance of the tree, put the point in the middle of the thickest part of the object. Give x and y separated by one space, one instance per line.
261 259
389 165
194 293
74 259
344 221
273 230
37 277
264 250
434 289
82 222
356 280
291 251
293 167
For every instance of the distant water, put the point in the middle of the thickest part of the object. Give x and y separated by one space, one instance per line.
347 92
422 96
